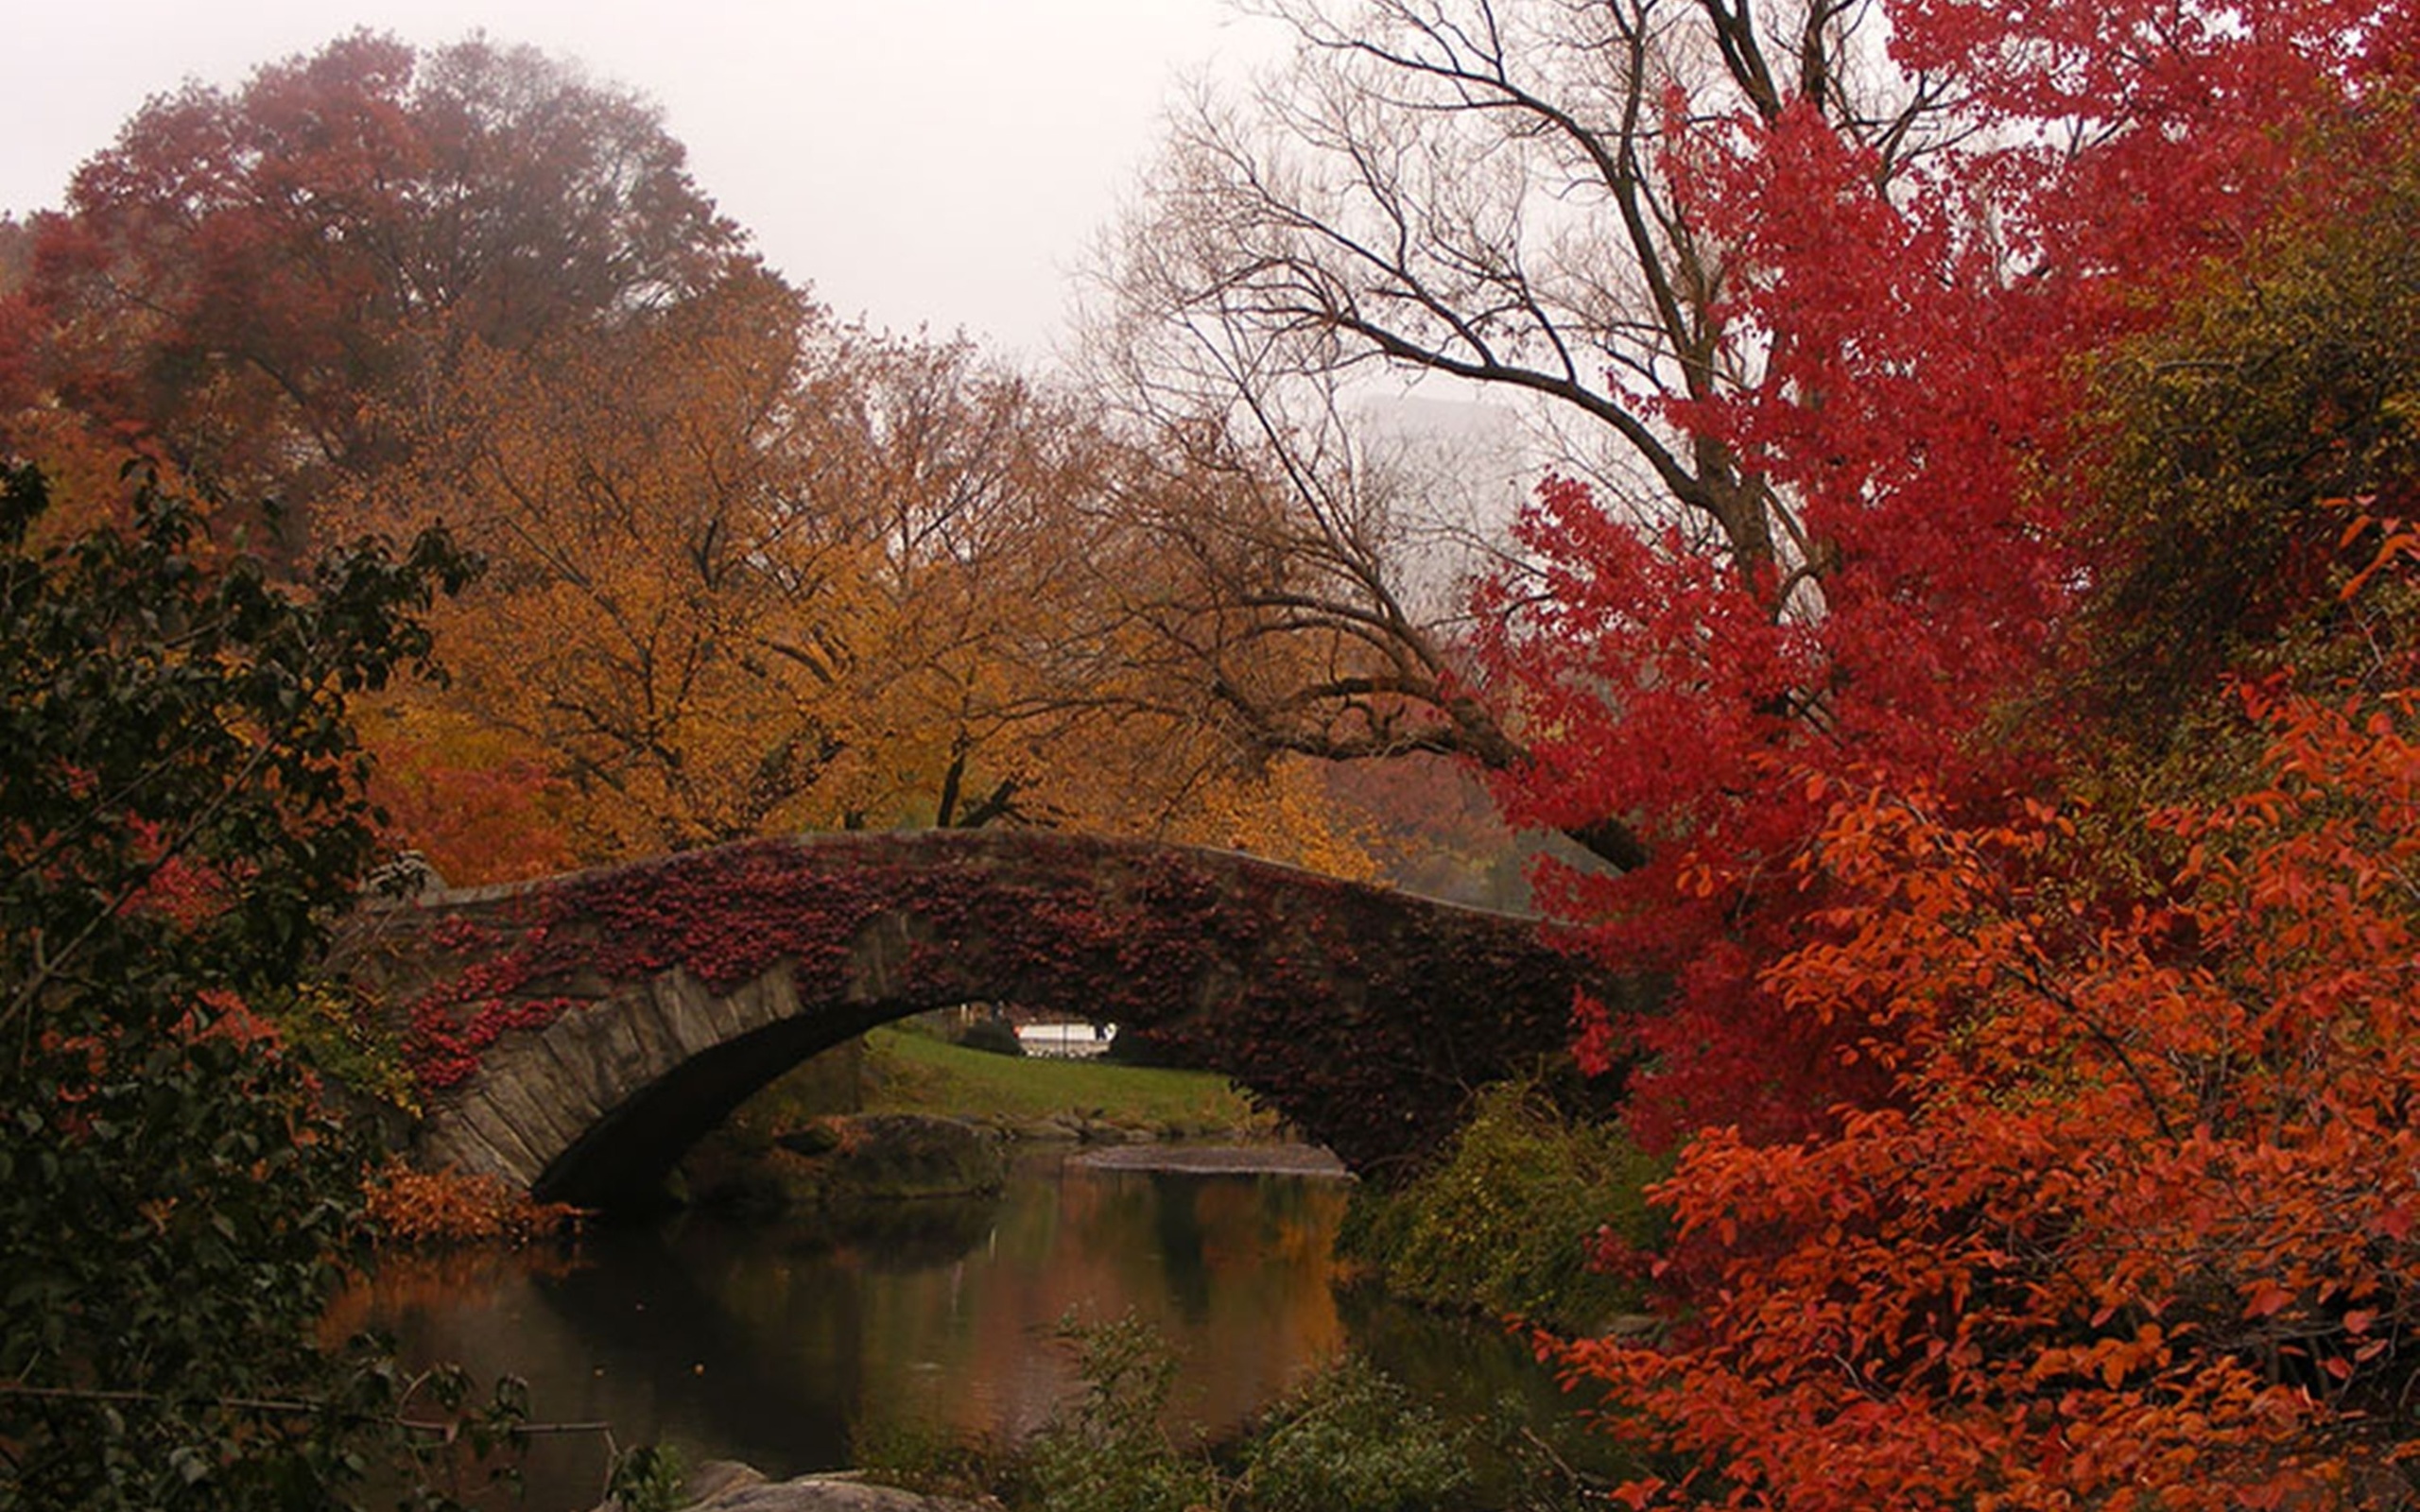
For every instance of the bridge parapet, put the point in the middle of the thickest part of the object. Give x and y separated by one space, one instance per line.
574 1036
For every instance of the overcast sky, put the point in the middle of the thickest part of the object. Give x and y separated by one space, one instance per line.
941 163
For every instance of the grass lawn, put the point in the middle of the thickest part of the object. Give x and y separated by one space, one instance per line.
908 1072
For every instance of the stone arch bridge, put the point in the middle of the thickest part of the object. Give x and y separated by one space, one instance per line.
575 1035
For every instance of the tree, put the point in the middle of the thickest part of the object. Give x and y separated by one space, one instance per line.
969 489
265 284
753 573
475 802
648 623
2135 1224
1001 669
1815 281
2127 1217
1297 592
1760 273
182 815
1487 194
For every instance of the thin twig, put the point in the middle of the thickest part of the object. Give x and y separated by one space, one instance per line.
267 1405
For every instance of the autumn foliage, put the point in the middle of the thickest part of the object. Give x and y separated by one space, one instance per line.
259 283
751 570
2036 891
2139 1207
1923 353
448 1207
1987 665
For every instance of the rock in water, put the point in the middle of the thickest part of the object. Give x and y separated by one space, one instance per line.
888 1156
820 1493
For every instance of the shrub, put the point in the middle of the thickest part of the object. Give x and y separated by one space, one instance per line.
1349 1440
181 814
917 1453
410 1207
1352 1439
1514 1219
645 1479
331 1026
1107 1451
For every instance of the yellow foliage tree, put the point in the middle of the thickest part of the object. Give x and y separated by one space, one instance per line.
753 574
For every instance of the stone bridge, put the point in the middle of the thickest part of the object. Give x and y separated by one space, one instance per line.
575 1035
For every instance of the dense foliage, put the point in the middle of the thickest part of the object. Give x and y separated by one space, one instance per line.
1910 340
265 284
2039 1067
2139 1213
1354 1438
1512 1219
2247 450
181 811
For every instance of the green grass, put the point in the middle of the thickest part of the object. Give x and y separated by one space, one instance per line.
909 1073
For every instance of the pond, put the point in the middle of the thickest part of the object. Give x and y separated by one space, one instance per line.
784 1344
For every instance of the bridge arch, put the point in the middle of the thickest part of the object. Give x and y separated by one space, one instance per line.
575 1035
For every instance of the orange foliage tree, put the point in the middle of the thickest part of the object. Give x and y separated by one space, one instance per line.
639 633
2136 1223
751 573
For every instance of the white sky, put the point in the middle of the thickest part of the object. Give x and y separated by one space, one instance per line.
938 163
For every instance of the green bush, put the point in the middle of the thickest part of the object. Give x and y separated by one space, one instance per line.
1350 1439
1353 1440
916 1452
1508 1224
181 814
1107 1451
645 1479
341 1037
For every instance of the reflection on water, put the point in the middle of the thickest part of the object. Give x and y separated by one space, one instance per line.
772 1343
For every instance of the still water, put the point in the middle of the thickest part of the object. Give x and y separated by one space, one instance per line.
780 1344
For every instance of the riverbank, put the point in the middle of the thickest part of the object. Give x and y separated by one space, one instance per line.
908 1115
1030 1097
901 1069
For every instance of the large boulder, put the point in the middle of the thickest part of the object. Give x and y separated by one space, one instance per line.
894 1156
850 1164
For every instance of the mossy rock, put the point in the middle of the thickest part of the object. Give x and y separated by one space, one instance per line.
882 1156
820 1137
847 1162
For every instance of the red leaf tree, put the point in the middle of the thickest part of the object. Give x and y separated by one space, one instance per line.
1908 338
266 281
2098 1186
